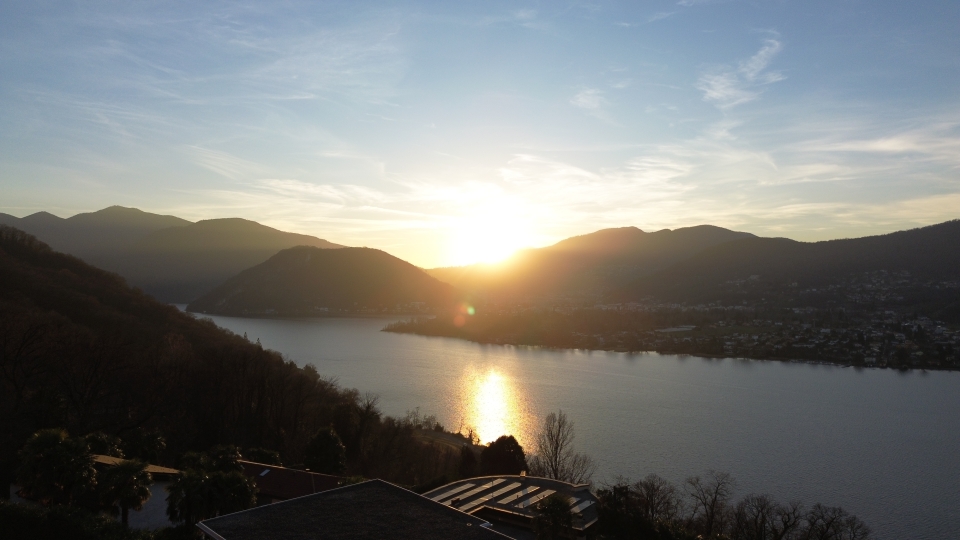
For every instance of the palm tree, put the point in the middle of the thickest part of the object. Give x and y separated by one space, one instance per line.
55 469
197 495
188 500
127 485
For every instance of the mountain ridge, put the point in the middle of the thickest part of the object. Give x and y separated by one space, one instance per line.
306 280
930 252
170 258
585 265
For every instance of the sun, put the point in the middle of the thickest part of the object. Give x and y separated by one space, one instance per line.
487 237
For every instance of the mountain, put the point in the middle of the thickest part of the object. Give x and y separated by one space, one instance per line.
91 234
170 258
588 265
180 264
929 253
83 351
308 280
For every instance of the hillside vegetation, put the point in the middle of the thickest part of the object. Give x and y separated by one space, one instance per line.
929 252
170 258
308 281
93 234
81 350
584 266
180 264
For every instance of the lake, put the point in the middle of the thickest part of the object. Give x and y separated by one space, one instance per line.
883 444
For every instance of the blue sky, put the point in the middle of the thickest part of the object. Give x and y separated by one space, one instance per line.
447 132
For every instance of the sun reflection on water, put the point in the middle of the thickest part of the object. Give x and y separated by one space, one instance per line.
493 405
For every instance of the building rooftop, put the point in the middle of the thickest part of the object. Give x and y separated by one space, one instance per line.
152 469
280 483
512 499
371 509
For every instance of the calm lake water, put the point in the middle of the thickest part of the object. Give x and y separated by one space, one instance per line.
885 445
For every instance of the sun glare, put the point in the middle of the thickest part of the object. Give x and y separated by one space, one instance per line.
489 236
493 405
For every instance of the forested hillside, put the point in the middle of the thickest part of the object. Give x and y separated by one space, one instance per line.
81 350
172 259
308 281
584 266
90 235
927 253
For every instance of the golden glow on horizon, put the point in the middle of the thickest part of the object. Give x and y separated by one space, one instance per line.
490 235
493 406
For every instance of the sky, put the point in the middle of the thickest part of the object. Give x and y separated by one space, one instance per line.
452 132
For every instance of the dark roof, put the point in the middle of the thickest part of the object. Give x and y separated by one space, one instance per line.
283 483
372 509
152 469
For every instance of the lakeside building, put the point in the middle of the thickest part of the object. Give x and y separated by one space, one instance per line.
509 502
276 483
485 507
371 509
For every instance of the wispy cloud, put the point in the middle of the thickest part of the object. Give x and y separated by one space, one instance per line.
660 16
225 164
591 99
728 86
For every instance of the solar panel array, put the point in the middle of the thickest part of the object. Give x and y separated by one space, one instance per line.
468 496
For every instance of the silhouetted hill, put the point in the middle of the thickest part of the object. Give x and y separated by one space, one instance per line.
82 351
89 235
170 258
307 280
180 264
930 252
590 264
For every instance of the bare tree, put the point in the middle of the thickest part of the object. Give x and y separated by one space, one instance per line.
555 456
658 499
758 517
832 523
709 500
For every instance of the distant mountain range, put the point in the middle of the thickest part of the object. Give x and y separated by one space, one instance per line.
590 265
929 253
235 266
170 258
309 281
93 233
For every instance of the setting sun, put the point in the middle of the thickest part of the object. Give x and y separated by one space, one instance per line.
490 235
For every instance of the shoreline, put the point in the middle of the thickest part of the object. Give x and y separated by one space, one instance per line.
705 356
182 308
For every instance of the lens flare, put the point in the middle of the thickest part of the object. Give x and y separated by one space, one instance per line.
463 311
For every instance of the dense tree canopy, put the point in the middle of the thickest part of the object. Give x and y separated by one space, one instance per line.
325 453
56 470
503 456
81 351
125 486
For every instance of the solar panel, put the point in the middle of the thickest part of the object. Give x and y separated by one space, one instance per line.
485 498
484 487
514 497
454 491
536 498
582 506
